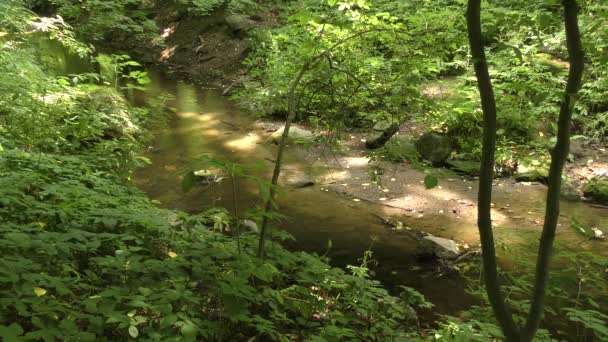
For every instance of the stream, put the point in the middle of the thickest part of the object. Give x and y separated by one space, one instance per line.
205 123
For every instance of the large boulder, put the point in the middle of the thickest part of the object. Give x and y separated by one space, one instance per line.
239 22
531 173
467 167
434 147
597 189
297 135
250 225
382 126
208 176
434 246
299 180
111 111
381 133
569 192
400 148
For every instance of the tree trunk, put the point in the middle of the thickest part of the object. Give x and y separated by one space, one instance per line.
484 215
558 158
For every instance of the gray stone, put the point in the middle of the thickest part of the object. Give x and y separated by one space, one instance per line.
578 148
378 138
597 189
400 148
382 126
174 220
569 192
531 173
209 175
468 167
251 225
300 180
434 147
438 247
239 22
297 135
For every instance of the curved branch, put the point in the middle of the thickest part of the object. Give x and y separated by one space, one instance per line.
484 214
291 114
558 159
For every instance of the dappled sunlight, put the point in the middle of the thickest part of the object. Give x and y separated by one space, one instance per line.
187 115
246 143
209 116
167 52
356 162
168 31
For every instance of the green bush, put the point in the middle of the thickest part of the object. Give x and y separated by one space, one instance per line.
86 256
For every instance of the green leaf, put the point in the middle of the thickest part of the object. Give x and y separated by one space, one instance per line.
332 3
189 330
188 181
133 332
430 181
39 291
11 332
266 272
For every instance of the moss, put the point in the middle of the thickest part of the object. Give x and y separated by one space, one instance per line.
597 190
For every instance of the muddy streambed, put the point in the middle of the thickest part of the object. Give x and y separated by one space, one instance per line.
205 123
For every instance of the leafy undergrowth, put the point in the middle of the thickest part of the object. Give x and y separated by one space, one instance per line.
86 256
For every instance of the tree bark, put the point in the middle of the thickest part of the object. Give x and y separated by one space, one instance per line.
558 159
502 312
291 115
484 214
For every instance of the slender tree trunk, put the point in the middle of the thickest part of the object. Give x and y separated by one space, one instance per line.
501 310
558 159
291 115
484 214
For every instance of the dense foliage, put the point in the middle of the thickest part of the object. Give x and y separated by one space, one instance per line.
380 75
86 256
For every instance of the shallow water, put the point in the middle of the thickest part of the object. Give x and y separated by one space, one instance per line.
205 123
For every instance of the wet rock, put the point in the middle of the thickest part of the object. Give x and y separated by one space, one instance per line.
300 180
578 149
250 225
551 63
174 220
597 189
401 148
434 147
378 138
467 167
531 173
569 192
382 126
209 175
239 22
111 109
434 246
297 135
